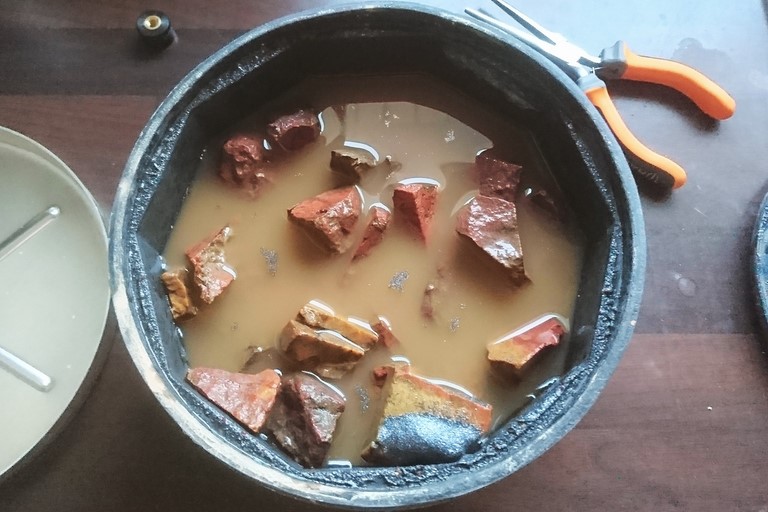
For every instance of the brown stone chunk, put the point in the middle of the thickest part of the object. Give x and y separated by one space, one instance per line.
415 205
351 163
244 164
490 224
211 272
329 218
175 282
380 375
248 398
514 352
496 177
294 131
321 351
304 418
383 328
432 297
378 220
320 316
546 203
428 301
392 165
423 422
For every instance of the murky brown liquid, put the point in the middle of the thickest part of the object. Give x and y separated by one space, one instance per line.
476 306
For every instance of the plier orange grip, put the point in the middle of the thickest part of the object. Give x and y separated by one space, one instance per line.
614 62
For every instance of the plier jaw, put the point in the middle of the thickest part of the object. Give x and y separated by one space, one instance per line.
619 62
550 44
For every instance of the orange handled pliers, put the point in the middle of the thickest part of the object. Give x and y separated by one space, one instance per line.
618 61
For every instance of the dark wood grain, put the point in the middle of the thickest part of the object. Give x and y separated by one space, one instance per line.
91 134
683 423
73 60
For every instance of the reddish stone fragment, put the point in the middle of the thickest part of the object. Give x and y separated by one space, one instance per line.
329 218
415 205
378 220
515 351
351 163
546 203
248 398
294 131
380 374
383 328
490 224
244 163
211 272
428 301
432 297
304 418
496 177
182 306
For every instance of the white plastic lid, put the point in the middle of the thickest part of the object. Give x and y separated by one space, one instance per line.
54 291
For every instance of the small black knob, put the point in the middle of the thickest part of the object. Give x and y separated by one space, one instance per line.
155 29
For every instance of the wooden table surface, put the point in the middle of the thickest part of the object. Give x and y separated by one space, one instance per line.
682 424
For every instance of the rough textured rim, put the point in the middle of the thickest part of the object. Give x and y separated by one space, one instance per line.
759 265
632 231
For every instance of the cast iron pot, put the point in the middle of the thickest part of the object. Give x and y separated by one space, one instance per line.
481 62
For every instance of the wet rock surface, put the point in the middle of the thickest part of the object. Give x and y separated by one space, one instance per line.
490 225
211 272
304 418
329 218
513 354
177 289
546 203
421 439
248 398
351 163
325 352
496 177
294 131
432 297
414 206
383 328
244 163
378 221
316 314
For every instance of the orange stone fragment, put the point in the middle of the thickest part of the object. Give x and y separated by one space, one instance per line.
329 218
248 398
211 272
378 220
515 351
175 282
415 205
383 328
